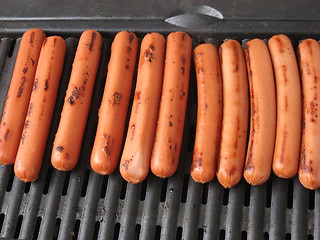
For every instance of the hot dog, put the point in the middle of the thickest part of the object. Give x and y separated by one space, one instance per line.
37 123
19 93
114 106
68 139
169 131
136 156
235 114
263 112
288 134
309 168
209 115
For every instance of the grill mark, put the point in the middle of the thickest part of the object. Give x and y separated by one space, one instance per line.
281 45
108 144
235 61
131 37
284 72
46 85
6 135
284 143
286 103
23 80
54 42
235 145
309 42
305 165
93 38
32 38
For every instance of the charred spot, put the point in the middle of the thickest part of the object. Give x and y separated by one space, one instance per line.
315 79
182 70
197 163
74 95
93 38
148 55
131 37
312 109
59 148
26 124
183 60
46 85
54 42
25 70
70 100
138 95
308 42
6 135
152 48
170 116
280 44
308 71
116 98
205 105
30 109
125 165
284 71
23 80
4 124
127 66
35 84
284 142
108 144
235 61
133 131
170 124
23 137
32 61
128 49
128 59
32 37
184 35
305 164
173 147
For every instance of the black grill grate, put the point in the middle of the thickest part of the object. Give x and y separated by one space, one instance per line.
82 204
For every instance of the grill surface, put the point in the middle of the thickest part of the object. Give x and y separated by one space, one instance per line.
82 204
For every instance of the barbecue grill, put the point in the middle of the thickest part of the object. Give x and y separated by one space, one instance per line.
81 204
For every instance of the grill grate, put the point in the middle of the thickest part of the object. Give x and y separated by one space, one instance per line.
82 204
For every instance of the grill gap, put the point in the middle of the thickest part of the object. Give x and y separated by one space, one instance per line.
76 229
12 46
200 234
37 228
96 230
288 236
269 193
18 227
310 237
222 234
290 194
1 220
10 181
104 186
116 231
163 190
225 199
137 231
205 189
247 192
158 232
123 189
66 183
56 228
85 183
185 184
311 199
244 235
27 187
143 191
179 233
47 181
266 236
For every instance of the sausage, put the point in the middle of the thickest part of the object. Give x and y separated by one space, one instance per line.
209 113
309 59
288 132
37 123
263 113
114 106
235 114
19 93
136 156
68 139
170 125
